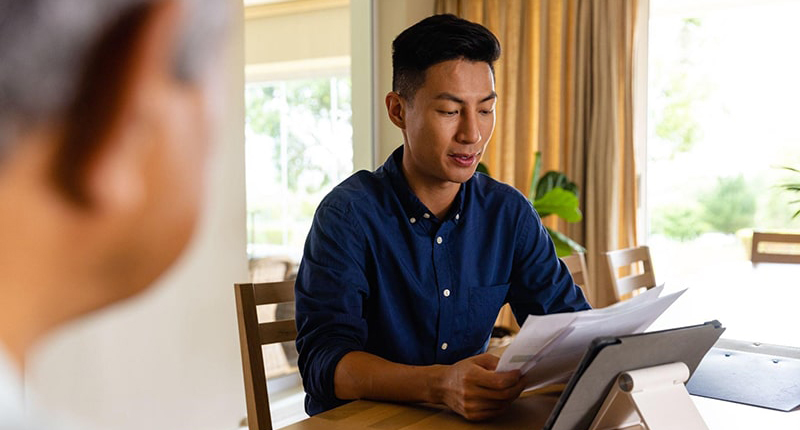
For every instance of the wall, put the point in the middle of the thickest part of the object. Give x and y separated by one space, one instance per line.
168 359
297 36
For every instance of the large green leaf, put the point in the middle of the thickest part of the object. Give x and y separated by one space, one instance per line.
560 202
564 245
551 180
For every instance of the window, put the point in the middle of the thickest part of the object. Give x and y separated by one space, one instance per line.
298 144
723 113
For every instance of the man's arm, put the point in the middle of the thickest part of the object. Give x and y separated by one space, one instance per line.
470 387
540 282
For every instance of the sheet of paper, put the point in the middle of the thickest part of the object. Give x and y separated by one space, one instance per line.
532 339
549 347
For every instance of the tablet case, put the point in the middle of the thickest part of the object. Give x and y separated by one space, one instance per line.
751 373
609 356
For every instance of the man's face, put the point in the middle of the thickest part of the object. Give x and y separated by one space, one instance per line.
448 123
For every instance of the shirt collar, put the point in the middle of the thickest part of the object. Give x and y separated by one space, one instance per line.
411 204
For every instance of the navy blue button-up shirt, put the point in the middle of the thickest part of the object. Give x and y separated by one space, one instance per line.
381 274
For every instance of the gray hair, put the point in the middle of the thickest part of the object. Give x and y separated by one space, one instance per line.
44 45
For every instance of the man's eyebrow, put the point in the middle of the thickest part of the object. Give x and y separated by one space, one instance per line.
453 98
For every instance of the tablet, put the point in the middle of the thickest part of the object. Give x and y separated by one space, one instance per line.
607 357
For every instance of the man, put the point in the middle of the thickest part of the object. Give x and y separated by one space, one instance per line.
104 125
406 268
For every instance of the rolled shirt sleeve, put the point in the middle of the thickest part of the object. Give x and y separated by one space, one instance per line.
329 297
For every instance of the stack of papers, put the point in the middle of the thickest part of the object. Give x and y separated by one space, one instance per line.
548 348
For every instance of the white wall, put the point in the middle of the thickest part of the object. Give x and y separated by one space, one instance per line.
168 359
298 36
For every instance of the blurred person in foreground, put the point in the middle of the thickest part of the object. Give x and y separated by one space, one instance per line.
405 268
105 116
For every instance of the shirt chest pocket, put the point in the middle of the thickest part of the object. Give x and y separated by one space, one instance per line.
484 304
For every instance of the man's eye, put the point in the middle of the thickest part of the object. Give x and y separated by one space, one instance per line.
486 111
448 112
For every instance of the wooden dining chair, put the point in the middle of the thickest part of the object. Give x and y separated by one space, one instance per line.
253 335
775 248
576 263
640 274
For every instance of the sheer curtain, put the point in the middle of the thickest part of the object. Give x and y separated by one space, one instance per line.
565 86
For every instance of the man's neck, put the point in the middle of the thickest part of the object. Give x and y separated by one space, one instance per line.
436 197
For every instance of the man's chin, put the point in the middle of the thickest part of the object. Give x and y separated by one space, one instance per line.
462 176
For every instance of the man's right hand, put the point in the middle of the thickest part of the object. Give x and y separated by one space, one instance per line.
474 390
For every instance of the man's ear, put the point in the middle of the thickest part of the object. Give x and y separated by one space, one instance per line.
396 108
115 175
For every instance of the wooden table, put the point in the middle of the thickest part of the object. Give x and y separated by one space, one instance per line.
759 303
528 412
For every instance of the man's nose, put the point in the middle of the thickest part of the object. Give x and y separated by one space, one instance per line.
468 130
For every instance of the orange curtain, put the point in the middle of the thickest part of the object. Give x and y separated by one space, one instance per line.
565 86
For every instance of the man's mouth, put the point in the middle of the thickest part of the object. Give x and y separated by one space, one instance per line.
464 160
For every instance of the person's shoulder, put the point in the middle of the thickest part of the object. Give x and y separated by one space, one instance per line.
358 189
490 190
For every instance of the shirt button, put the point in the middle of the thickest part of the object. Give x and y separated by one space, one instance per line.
439 240
446 293
413 220
458 216
426 215
444 346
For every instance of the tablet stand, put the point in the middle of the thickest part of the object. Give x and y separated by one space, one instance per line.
653 398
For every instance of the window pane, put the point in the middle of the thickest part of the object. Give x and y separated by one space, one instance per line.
298 147
723 114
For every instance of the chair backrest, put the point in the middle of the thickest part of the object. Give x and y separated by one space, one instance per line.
576 263
253 335
643 277
775 248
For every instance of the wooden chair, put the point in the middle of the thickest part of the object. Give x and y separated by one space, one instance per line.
775 248
641 277
253 335
576 263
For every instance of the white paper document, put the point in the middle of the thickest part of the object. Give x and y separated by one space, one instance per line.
548 348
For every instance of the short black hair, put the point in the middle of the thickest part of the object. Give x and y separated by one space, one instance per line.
436 39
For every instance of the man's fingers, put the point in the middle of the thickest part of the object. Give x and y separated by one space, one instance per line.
504 395
498 380
483 410
487 361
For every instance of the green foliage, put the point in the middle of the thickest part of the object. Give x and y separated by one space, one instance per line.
679 223
793 187
553 194
260 115
675 125
730 205
560 202
310 105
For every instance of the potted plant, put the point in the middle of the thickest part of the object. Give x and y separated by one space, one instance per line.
553 194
